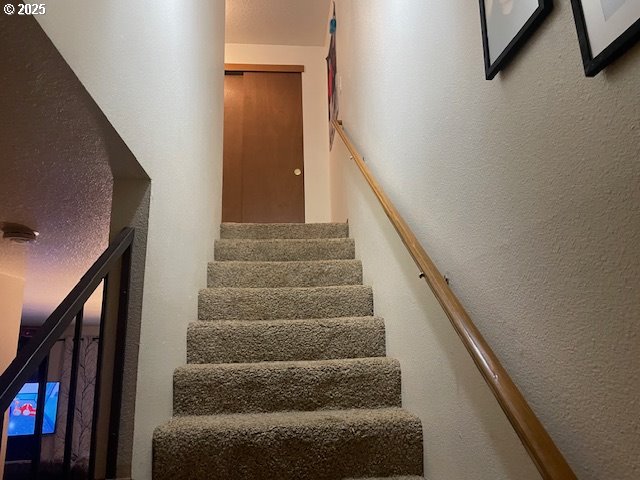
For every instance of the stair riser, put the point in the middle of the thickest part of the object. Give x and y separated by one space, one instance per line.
235 342
305 386
285 274
321 452
290 230
284 250
272 304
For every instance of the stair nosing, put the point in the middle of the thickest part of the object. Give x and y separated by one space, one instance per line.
285 262
288 364
347 414
285 240
257 289
209 323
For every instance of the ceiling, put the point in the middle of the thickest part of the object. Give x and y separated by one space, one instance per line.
277 22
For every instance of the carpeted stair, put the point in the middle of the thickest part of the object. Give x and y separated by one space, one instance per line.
389 478
286 376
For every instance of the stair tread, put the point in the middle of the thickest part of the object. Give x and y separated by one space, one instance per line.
286 302
284 249
282 290
312 364
320 445
231 341
292 273
286 263
282 224
252 422
285 322
388 478
281 230
283 241
278 386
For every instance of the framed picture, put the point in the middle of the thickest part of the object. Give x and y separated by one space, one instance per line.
332 67
506 26
606 29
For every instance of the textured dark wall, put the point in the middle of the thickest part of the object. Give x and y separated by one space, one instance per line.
61 166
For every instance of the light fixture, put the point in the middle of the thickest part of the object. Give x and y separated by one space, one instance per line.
16 233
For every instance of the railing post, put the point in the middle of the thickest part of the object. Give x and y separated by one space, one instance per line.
118 365
97 390
41 397
71 404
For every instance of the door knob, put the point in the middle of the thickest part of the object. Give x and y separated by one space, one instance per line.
297 172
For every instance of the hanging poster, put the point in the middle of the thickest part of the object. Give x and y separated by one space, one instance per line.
506 26
606 29
331 75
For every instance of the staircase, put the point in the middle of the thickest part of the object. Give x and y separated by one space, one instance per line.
286 376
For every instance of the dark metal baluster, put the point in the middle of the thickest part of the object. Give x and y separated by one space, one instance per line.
97 390
118 366
43 371
71 405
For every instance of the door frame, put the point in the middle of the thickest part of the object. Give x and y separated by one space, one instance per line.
241 68
246 67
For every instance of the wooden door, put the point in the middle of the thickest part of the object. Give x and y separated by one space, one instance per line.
263 175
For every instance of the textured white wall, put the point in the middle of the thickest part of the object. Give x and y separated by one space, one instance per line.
466 435
314 111
156 70
526 192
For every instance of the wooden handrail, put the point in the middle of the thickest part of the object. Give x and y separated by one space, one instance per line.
540 446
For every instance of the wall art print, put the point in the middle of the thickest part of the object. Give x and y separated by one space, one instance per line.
506 26
332 67
606 29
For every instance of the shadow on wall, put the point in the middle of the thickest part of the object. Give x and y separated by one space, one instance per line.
67 173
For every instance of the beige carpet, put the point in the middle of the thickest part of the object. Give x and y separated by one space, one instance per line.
286 376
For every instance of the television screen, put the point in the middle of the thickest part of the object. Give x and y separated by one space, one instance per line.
22 413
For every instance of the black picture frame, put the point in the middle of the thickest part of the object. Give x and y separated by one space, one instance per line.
491 69
594 65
